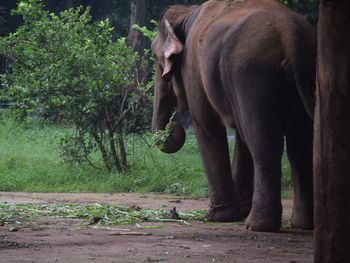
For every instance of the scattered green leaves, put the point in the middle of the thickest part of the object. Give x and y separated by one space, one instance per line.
92 214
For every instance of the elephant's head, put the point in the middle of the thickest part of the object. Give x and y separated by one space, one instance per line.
169 94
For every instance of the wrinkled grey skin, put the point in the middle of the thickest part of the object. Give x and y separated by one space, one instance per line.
247 65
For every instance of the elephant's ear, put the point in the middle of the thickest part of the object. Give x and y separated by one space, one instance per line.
172 46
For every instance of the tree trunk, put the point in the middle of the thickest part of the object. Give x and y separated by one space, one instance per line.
122 151
102 148
69 4
114 154
135 37
332 134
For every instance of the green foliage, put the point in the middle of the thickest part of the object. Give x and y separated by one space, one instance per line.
76 147
66 66
148 33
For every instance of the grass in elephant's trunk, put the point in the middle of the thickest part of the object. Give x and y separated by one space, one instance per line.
171 139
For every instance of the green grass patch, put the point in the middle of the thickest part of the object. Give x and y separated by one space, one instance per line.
30 162
92 214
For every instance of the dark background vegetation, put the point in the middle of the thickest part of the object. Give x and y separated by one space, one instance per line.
118 11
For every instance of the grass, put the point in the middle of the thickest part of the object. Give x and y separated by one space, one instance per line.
29 161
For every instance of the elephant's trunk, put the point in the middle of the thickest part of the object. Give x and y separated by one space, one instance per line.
160 119
171 134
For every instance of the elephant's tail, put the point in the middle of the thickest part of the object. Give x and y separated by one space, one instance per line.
304 78
306 86
302 64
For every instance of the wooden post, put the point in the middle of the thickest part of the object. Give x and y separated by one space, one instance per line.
332 134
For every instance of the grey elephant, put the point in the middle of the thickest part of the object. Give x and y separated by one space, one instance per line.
247 65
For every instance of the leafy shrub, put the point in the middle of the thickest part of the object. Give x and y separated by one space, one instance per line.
68 67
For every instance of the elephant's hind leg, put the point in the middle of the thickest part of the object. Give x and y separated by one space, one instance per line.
261 125
243 174
266 212
299 140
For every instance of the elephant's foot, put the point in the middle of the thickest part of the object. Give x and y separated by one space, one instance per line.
226 212
265 221
302 218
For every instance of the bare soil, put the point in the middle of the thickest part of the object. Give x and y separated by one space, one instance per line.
66 240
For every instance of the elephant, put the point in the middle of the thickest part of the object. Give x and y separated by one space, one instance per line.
247 65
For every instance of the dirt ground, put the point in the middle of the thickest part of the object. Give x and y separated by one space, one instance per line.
65 240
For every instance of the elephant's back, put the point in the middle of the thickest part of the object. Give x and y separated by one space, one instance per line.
255 39
217 19
248 30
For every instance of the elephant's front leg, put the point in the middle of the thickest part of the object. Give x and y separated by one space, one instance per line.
212 141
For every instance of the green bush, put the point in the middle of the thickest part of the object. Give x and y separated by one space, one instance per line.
68 67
